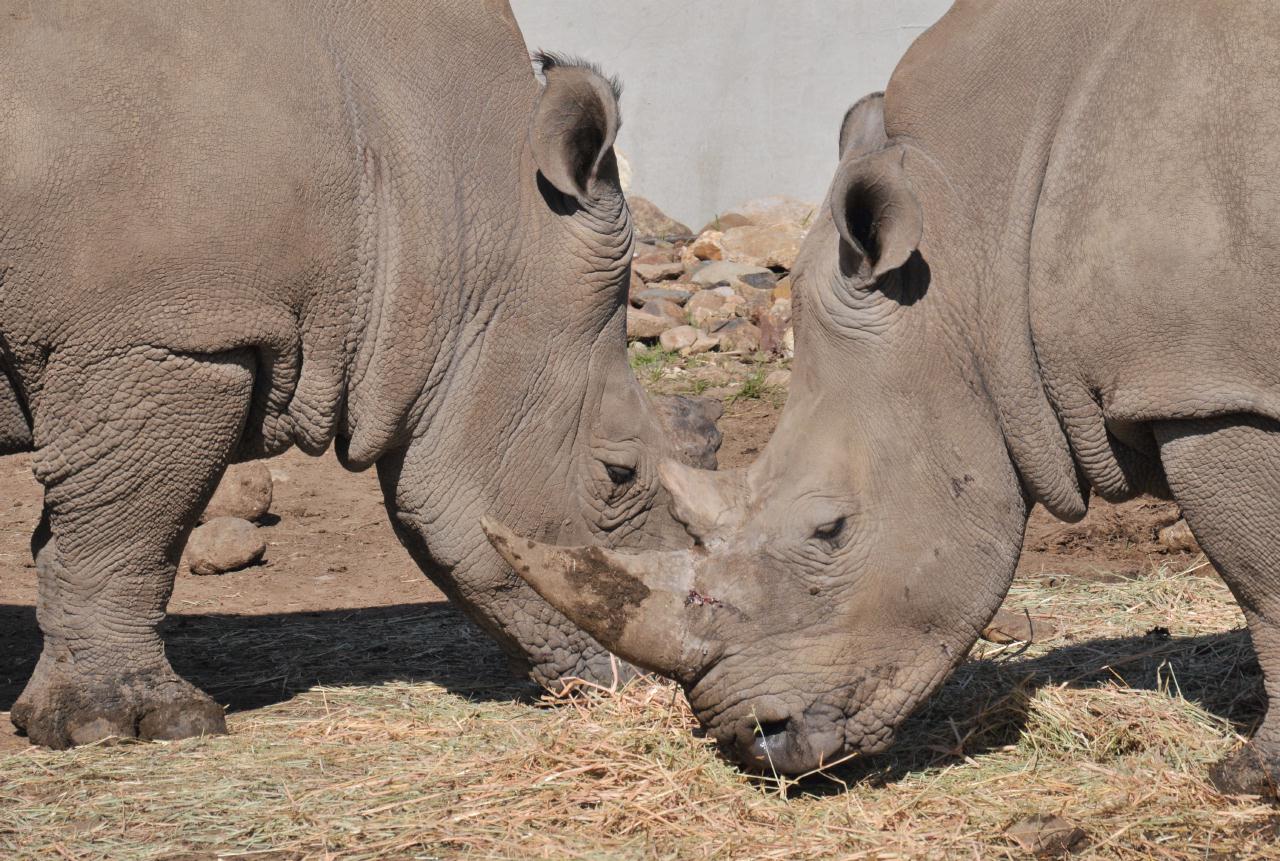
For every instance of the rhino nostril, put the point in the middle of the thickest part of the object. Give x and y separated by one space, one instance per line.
770 729
767 747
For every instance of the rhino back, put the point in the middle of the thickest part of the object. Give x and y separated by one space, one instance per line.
1111 181
197 178
158 157
1156 253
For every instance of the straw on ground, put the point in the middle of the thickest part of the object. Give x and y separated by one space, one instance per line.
1112 727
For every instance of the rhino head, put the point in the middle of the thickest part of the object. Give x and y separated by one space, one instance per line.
535 412
835 582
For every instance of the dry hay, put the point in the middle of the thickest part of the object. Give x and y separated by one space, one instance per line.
1111 727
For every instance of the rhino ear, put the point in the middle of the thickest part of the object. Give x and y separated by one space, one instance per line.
876 213
863 126
574 126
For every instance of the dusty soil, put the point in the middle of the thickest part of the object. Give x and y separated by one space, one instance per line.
369 720
332 560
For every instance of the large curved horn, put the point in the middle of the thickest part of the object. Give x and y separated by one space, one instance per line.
638 607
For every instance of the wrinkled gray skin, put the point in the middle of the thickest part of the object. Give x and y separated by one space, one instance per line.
228 229
1051 271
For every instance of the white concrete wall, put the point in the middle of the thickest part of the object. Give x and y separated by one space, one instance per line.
728 100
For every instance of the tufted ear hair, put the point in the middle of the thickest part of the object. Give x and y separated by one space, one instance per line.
876 212
575 123
863 126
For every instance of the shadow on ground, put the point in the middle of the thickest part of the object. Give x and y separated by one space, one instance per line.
248 662
985 704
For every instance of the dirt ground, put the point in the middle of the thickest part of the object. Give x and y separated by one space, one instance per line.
332 557
370 720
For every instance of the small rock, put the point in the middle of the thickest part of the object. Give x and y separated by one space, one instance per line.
786 348
665 308
1047 836
649 221
679 339
754 302
764 211
705 344
689 260
782 290
725 221
720 304
738 336
697 266
245 492
712 320
772 245
707 246
1010 626
789 343
1179 539
728 273
705 305
780 379
667 294
774 325
707 320
224 544
636 284
650 272
648 323
646 253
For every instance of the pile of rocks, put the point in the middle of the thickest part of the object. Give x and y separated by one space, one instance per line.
227 539
728 288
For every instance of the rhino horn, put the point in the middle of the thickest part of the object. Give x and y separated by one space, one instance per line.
702 500
636 606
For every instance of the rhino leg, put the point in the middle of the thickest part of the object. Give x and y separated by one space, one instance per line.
129 448
1225 473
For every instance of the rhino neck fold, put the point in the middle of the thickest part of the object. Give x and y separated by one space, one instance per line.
436 252
1006 352
983 95
992 305
425 304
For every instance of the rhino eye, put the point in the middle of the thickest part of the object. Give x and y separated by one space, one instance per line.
830 532
620 475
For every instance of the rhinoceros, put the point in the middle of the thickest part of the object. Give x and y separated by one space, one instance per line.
229 229
1047 268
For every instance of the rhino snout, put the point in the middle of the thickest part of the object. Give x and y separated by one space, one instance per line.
790 747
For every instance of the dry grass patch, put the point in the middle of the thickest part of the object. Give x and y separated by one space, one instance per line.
1112 727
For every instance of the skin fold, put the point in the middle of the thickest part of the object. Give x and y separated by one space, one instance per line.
229 229
1048 269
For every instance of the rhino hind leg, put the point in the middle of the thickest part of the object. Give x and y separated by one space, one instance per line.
130 448
1225 473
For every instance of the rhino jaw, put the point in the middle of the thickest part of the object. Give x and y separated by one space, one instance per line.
640 607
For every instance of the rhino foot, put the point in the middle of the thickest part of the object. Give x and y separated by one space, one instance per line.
58 712
1251 770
